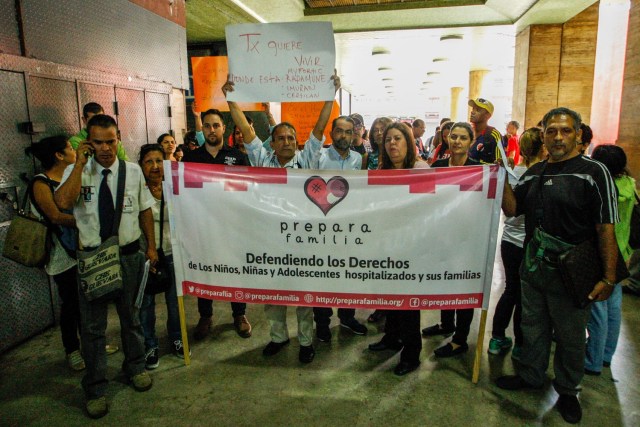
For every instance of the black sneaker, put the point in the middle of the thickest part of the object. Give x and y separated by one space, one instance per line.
323 333
151 360
273 348
178 349
434 330
513 382
307 353
354 326
569 407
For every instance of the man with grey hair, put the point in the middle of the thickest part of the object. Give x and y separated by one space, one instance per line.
566 200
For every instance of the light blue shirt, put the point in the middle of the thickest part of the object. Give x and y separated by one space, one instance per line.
313 156
331 159
305 159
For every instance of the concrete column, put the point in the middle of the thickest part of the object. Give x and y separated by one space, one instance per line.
629 132
455 102
609 72
476 78
555 67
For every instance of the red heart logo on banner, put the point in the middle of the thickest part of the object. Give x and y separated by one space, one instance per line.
326 195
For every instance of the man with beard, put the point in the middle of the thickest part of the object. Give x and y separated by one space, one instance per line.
338 156
214 151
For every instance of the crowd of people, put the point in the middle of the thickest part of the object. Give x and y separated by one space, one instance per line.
562 198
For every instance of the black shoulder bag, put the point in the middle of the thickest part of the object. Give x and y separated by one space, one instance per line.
580 266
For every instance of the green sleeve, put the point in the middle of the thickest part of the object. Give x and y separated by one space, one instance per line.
122 155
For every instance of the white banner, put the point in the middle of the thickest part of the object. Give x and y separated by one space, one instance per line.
284 62
422 238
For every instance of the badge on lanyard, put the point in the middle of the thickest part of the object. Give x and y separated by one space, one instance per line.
127 206
88 192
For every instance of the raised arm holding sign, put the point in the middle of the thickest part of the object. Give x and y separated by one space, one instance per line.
284 135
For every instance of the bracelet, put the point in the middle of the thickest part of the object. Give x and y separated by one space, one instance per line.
606 282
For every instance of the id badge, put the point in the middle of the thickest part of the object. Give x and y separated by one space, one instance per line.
87 192
128 204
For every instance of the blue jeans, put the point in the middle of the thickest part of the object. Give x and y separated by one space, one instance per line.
604 328
148 313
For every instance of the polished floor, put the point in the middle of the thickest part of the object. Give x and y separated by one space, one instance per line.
230 382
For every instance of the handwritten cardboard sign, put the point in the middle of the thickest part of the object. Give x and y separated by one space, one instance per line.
286 62
304 115
209 74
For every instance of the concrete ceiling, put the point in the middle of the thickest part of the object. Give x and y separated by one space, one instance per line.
410 31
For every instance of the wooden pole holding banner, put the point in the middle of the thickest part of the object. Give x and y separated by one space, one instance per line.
183 331
479 348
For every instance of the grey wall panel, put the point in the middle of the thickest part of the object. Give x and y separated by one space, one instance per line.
13 160
9 39
116 36
54 103
25 298
131 120
158 121
102 94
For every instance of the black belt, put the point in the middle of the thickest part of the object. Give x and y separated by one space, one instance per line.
128 249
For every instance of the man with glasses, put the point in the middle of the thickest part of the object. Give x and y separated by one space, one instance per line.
485 148
214 151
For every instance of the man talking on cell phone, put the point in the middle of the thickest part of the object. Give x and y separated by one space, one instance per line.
90 189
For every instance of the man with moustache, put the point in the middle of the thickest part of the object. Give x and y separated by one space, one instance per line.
284 154
566 200
214 151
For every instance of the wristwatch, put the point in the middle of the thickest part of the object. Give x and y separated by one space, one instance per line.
606 282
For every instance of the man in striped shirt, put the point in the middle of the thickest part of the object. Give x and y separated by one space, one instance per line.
566 200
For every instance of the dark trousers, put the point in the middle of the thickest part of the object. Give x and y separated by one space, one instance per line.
460 320
94 325
404 325
510 301
322 315
205 308
547 309
67 283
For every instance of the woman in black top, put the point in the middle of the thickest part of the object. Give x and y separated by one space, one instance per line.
402 330
460 139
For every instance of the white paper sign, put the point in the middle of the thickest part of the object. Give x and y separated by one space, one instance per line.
283 62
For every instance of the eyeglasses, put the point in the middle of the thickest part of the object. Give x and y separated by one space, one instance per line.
482 100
